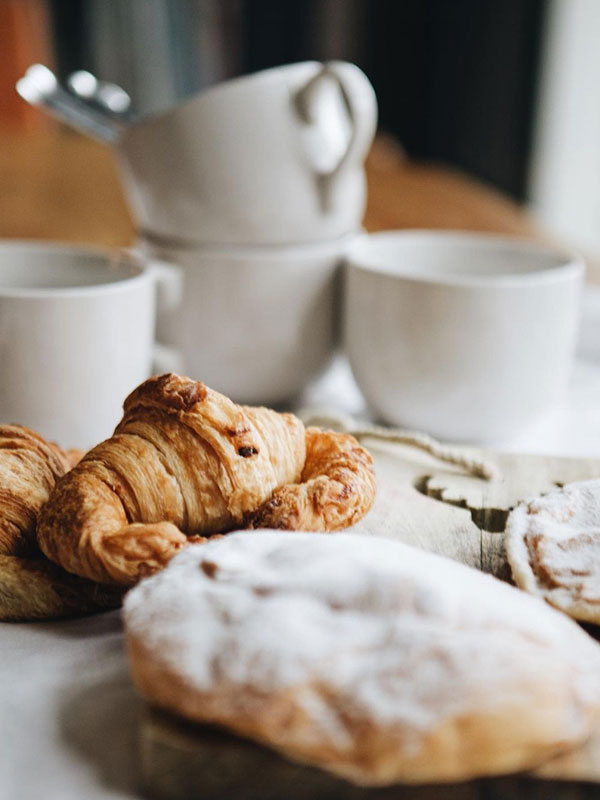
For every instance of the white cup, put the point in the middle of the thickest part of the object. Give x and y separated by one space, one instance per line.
467 336
254 323
273 157
76 336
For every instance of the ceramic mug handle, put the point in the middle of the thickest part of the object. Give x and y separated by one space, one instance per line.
360 100
168 280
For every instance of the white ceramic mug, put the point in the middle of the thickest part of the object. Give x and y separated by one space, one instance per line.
467 336
76 336
273 157
254 323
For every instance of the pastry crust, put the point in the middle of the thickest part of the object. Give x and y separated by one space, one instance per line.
366 657
185 463
30 586
29 469
35 589
336 489
553 548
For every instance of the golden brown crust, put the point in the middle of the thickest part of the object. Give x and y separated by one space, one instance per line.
34 588
30 586
465 747
168 391
74 456
184 461
29 469
337 487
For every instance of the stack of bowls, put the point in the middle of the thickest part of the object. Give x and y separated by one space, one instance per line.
251 193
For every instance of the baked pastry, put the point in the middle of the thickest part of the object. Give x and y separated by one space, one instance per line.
336 488
30 586
35 589
185 463
553 547
362 656
29 469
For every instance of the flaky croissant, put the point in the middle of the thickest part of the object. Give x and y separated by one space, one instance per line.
29 469
336 488
186 462
30 586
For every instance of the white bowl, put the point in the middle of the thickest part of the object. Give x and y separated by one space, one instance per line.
467 336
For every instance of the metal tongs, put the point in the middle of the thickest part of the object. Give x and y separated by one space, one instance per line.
99 109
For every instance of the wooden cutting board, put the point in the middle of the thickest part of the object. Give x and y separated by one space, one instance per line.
434 506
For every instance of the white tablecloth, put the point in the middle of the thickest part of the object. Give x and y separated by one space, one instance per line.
68 713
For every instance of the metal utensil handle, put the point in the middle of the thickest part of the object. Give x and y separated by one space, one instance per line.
40 88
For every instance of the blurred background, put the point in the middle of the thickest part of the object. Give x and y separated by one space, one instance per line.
497 95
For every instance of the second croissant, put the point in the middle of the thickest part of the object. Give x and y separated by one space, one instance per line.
184 463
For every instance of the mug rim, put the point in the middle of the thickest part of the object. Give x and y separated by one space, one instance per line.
359 257
116 256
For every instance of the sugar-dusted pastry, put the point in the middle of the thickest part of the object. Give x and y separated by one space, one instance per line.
30 586
185 463
363 656
553 547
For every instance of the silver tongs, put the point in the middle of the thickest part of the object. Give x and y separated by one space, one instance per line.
99 109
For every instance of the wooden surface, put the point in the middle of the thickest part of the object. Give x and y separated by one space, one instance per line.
182 761
431 505
406 194
60 185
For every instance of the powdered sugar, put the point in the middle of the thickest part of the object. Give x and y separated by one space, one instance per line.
393 633
553 545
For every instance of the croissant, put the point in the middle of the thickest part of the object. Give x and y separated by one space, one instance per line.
336 488
29 469
184 463
30 586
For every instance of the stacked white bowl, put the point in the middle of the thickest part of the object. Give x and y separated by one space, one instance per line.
250 193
